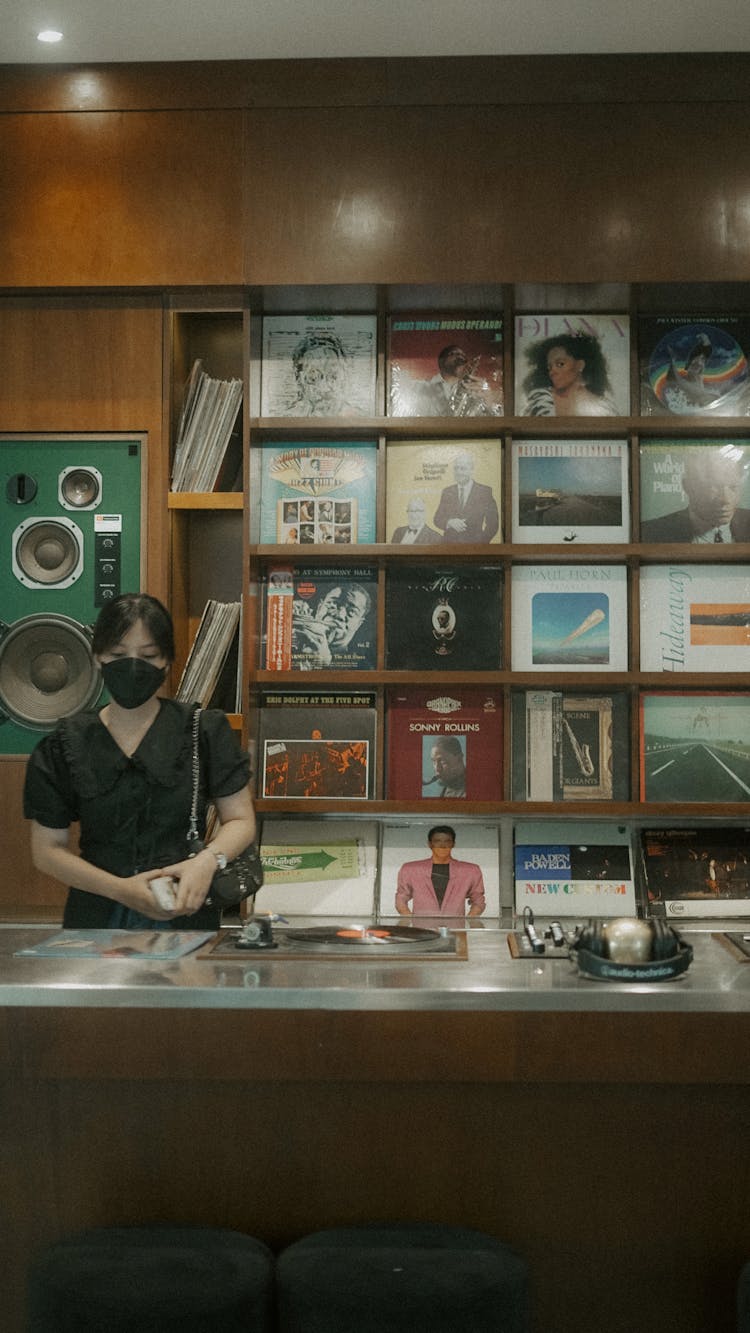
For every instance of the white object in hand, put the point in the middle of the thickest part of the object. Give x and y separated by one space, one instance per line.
163 889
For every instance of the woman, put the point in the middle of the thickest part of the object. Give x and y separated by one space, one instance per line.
124 773
568 378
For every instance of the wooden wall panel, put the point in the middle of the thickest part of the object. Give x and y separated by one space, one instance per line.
78 364
627 1200
112 199
462 194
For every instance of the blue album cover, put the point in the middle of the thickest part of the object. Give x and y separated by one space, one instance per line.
318 494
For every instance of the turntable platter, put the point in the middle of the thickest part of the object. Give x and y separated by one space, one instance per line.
364 937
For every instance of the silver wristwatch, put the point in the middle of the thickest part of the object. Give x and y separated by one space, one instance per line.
221 859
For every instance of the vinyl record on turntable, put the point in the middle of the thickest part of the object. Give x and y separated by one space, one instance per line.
363 937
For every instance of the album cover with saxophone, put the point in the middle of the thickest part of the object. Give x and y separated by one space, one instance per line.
445 365
569 746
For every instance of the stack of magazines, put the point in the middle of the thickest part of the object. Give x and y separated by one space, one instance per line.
208 416
212 674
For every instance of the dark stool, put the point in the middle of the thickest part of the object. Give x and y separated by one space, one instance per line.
152 1280
418 1277
743 1300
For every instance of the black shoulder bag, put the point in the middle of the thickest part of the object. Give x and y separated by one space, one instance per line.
243 876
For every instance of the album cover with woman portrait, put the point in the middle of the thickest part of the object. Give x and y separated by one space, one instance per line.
572 365
440 618
319 365
694 365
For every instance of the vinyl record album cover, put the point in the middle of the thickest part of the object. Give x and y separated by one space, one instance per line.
695 746
697 872
570 868
441 618
697 492
572 365
569 746
444 744
318 365
695 366
570 491
695 617
317 493
569 618
318 746
445 365
318 867
405 868
443 492
319 617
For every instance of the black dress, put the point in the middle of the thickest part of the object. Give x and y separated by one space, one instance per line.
133 811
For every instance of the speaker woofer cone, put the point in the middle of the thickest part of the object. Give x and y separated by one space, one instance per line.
47 552
47 671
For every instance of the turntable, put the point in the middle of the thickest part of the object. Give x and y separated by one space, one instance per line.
352 940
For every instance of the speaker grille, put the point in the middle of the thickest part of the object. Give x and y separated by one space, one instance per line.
46 671
47 552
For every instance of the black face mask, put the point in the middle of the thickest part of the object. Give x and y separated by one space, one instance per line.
131 681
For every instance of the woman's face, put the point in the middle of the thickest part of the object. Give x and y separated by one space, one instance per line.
137 642
564 370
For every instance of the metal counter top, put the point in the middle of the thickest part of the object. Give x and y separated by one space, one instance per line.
488 979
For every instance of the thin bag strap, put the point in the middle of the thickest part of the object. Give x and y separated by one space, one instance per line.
193 837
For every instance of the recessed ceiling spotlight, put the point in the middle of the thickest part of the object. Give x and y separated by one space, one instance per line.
49 35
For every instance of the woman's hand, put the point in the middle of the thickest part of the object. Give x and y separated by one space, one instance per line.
136 893
192 881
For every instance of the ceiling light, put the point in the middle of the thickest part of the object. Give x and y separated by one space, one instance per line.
49 35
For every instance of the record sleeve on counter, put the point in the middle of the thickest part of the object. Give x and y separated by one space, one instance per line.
569 746
320 746
697 872
694 365
445 365
572 365
319 617
443 618
317 493
573 868
444 744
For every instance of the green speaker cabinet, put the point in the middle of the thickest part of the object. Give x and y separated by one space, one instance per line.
72 531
